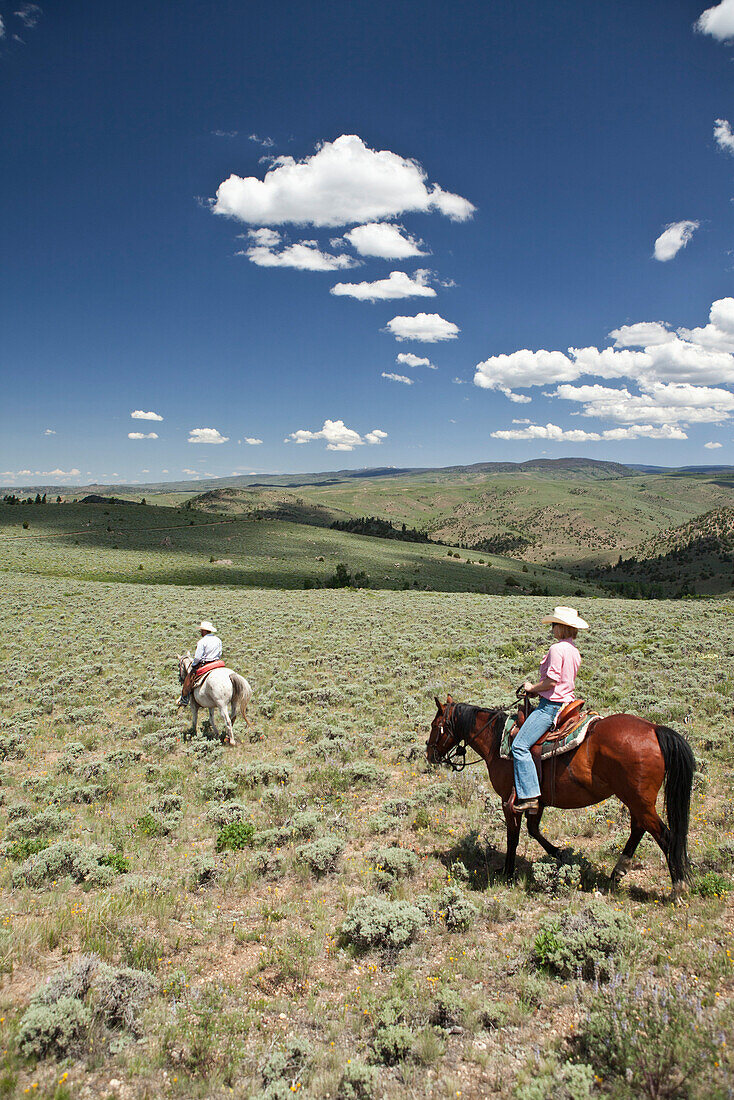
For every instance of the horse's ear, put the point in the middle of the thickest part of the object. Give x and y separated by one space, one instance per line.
449 699
439 704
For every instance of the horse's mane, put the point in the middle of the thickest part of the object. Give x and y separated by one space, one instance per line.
464 719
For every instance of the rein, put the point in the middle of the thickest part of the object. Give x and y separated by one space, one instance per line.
455 758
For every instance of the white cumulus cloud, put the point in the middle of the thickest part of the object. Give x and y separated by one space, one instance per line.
268 250
142 435
717 21
644 334
49 431
138 414
343 182
407 359
383 240
723 135
398 378
252 441
555 434
712 446
206 435
429 328
337 435
674 237
664 379
398 285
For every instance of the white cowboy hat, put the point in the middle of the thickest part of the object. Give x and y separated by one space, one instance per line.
567 616
208 627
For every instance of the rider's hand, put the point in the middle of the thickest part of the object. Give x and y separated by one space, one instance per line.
527 687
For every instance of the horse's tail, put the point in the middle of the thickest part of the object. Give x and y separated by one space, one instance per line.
680 764
241 693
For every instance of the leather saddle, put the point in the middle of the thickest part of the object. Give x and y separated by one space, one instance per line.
568 719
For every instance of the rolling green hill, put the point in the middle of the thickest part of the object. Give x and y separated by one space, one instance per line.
153 545
547 513
696 558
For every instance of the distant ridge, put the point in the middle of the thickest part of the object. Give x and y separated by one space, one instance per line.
585 467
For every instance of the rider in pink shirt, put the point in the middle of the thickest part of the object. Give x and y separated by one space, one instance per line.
555 687
561 663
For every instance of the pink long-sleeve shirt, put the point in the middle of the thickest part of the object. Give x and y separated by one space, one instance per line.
561 663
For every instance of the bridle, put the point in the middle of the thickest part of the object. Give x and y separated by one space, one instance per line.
455 757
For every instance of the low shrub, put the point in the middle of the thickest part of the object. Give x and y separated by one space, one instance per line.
711 884
392 1044
451 907
262 775
64 1009
65 857
583 943
391 864
37 825
552 877
379 923
58 1029
447 1010
287 1063
204 871
22 849
554 1080
320 856
651 1037
358 1082
226 812
235 836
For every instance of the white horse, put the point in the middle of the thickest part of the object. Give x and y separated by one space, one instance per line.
222 690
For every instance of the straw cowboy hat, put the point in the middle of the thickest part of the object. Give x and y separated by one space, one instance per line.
212 629
567 616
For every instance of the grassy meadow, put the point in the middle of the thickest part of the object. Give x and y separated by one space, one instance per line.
316 911
163 545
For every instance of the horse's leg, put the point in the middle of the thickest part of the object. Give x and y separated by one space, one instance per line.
514 821
228 723
533 822
624 862
212 723
646 817
194 715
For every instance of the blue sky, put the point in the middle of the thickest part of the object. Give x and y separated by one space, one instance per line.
529 155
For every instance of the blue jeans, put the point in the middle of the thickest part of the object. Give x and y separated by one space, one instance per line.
534 726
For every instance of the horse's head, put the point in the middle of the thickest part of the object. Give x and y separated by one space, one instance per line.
442 737
184 664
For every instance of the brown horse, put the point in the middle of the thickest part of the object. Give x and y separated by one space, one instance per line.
621 755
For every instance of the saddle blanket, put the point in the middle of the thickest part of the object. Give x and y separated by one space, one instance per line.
204 670
572 740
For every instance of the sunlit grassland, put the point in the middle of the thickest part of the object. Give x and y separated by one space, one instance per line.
151 545
244 945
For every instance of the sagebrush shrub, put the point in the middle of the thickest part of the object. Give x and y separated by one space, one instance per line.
392 1044
377 922
53 1029
549 876
288 1061
583 943
358 1082
391 864
553 1080
320 856
65 857
451 907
